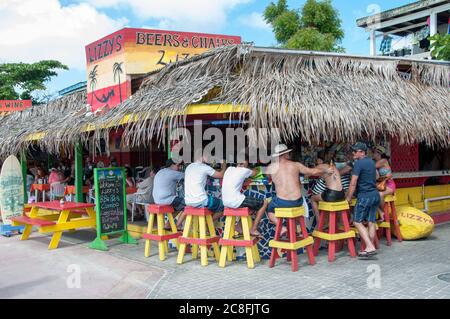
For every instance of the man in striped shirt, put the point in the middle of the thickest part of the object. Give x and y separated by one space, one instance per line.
331 188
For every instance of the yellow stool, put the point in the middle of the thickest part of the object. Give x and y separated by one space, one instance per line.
161 235
331 209
228 242
294 243
390 216
200 219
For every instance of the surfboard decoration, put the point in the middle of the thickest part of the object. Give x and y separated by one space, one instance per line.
11 190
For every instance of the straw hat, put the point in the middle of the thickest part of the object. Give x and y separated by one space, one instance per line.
380 149
281 149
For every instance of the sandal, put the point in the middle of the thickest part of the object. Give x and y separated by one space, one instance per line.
366 254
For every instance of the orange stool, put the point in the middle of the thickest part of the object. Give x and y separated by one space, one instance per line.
294 243
228 242
385 226
331 209
198 218
161 236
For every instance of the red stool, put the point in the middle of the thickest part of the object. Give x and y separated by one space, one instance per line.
333 236
198 218
385 226
228 242
161 236
294 243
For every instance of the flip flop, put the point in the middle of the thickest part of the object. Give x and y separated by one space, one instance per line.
366 255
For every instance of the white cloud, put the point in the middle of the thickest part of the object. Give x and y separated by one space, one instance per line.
33 30
254 20
189 15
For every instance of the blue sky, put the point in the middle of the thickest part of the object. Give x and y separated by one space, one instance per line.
58 29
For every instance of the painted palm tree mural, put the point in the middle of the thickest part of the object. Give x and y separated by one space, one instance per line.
93 81
117 70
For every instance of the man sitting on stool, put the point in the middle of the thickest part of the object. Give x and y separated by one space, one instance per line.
233 181
196 175
165 189
286 179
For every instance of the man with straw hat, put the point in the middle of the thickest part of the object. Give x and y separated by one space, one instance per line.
285 175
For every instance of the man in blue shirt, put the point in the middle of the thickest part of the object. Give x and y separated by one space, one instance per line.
367 197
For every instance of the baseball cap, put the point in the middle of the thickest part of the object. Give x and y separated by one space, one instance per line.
359 146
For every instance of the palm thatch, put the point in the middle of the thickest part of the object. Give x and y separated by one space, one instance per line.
315 96
60 120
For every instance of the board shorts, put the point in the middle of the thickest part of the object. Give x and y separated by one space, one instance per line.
212 203
283 203
366 208
253 203
330 195
178 204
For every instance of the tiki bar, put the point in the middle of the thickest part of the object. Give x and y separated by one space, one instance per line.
144 85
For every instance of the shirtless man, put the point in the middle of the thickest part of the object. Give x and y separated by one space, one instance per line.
285 176
334 191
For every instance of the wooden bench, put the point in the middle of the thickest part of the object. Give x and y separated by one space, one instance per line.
32 221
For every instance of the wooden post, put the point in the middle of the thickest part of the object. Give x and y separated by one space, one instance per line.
78 173
23 162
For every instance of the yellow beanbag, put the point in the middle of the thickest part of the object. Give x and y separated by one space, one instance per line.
414 223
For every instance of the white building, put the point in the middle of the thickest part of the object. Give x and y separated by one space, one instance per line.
406 29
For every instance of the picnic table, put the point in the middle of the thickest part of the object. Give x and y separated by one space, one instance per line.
52 217
40 187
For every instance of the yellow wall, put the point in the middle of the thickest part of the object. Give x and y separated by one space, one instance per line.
413 196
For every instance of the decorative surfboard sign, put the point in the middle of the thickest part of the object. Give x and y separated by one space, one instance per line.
11 194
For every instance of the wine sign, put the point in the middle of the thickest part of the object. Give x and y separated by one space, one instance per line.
110 203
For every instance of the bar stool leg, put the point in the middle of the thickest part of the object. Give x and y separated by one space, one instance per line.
387 219
173 227
255 250
293 239
273 255
248 250
182 248
332 243
226 235
149 231
398 235
161 245
231 248
309 248
203 249
350 241
212 233
195 235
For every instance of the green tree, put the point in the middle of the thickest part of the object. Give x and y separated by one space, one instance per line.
316 26
440 46
20 80
117 70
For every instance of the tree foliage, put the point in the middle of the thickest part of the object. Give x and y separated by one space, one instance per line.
316 26
440 46
20 80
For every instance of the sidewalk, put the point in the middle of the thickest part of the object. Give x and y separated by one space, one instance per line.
407 270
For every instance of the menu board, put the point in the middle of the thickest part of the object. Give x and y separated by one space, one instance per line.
110 200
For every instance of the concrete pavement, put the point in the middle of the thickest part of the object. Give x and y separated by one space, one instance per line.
414 269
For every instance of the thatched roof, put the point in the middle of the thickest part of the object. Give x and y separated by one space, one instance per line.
315 96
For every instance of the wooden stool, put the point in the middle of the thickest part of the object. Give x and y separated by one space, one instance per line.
161 236
331 209
228 242
385 226
199 218
294 243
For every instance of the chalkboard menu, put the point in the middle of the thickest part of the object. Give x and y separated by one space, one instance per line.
110 200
